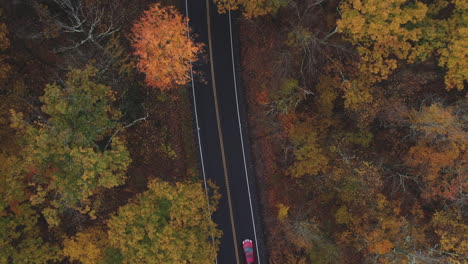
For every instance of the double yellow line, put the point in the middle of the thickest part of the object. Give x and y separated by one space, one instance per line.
220 131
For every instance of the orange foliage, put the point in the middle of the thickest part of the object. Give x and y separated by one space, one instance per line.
435 167
287 121
439 156
261 97
164 50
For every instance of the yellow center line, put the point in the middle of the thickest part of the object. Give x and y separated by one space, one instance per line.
220 132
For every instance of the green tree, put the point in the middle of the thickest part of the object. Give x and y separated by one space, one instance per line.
20 237
166 224
66 154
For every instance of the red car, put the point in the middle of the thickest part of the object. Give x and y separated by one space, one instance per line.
247 245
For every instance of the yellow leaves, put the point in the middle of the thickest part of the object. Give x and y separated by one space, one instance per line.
164 50
166 224
399 29
282 211
250 8
86 247
51 216
454 56
356 94
342 216
69 163
309 157
326 95
453 232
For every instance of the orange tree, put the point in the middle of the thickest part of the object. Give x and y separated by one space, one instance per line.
165 52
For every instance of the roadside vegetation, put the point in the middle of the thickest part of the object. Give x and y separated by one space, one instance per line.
97 155
358 118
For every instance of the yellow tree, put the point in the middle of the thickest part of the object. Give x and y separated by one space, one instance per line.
379 27
454 55
166 224
161 43
385 31
310 157
250 8
87 247
452 230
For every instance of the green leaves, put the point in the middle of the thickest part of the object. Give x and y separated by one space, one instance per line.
81 107
166 224
66 149
20 241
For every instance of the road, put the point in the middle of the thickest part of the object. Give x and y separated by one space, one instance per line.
219 112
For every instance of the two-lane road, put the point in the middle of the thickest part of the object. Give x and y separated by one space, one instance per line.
223 143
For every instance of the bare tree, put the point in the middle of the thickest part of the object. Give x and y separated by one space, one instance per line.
91 23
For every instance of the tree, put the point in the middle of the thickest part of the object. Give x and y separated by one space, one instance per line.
20 236
379 27
4 44
85 22
453 55
250 8
166 224
165 52
453 233
66 155
386 31
439 154
438 122
287 98
310 156
88 246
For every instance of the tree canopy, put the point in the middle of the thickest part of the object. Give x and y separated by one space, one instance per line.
250 8
385 31
161 43
65 154
166 224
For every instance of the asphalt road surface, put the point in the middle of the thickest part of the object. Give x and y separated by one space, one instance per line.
219 110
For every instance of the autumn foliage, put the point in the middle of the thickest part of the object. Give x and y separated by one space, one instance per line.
166 224
388 31
250 8
71 129
370 166
164 50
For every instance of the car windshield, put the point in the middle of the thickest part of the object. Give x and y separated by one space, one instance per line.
248 250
